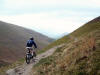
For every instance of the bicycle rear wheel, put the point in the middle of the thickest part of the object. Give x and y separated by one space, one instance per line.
27 59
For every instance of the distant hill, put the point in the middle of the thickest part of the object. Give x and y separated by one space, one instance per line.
13 41
80 54
61 35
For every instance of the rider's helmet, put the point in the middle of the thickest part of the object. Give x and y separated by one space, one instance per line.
31 38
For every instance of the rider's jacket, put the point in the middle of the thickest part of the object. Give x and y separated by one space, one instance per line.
30 43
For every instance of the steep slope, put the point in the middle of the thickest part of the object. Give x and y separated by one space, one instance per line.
79 56
13 41
82 31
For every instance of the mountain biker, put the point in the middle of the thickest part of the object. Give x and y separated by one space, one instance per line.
29 45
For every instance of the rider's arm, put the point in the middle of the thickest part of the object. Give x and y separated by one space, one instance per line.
34 44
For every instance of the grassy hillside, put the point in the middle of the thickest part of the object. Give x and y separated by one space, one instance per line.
13 41
79 56
82 31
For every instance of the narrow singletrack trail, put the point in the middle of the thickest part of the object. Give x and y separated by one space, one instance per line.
25 69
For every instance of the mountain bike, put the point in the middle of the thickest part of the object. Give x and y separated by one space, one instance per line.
30 54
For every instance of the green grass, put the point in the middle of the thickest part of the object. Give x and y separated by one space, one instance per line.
87 28
45 61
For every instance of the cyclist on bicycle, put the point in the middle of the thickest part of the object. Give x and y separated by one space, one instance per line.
29 45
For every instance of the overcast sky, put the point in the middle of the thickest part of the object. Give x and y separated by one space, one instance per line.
50 17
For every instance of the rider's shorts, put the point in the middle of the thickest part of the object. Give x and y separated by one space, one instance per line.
29 48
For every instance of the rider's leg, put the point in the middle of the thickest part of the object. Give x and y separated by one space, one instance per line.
28 50
34 53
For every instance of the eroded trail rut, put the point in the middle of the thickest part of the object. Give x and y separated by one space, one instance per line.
25 69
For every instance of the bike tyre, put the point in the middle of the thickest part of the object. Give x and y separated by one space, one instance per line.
27 60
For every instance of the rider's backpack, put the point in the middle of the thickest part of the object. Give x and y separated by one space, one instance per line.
29 43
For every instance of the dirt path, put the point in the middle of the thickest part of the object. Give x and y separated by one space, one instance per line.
25 69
